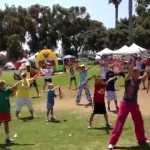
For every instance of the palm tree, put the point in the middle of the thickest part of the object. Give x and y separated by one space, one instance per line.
116 3
130 22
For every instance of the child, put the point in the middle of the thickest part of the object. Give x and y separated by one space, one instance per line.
99 96
130 105
72 76
48 73
5 115
110 89
83 75
50 101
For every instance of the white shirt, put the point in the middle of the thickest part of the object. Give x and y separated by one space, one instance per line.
48 73
139 65
104 71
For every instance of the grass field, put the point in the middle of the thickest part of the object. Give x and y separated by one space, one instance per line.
71 133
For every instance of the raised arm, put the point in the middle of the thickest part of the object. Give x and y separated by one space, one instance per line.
111 79
56 87
89 67
130 69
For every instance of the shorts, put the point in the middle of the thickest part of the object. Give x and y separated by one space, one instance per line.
99 108
21 101
48 80
33 84
5 117
141 73
49 106
72 78
111 95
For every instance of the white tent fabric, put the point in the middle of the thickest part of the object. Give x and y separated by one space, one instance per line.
68 57
105 51
122 51
135 49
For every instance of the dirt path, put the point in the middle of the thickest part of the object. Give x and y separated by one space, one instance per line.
68 102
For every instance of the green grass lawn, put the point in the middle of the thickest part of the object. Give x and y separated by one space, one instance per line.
71 133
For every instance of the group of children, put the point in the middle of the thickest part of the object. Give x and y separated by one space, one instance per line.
102 84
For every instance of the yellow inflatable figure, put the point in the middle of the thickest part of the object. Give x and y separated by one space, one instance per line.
46 55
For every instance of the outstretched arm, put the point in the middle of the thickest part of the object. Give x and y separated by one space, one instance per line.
56 87
130 69
111 79
89 67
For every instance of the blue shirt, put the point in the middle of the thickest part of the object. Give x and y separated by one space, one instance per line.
83 76
50 96
111 84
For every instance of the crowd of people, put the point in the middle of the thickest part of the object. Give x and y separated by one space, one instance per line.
103 82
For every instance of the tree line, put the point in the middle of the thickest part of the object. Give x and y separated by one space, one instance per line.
45 26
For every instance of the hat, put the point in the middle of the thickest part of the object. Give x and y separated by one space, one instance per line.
50 84
82 65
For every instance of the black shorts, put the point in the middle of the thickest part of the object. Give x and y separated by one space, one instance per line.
33 84
141 73
48 80
72 78
99 108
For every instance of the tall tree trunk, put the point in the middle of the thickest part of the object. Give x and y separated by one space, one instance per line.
130 23
116 15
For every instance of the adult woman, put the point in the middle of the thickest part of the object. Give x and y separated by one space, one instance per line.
23 94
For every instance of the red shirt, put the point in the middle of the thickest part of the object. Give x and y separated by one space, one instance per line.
99 93
32 73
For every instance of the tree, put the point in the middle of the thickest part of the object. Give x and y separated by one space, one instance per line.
116 4
14 47
130 2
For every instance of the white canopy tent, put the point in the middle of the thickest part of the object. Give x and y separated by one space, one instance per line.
122 51
32 58
135 49
105 51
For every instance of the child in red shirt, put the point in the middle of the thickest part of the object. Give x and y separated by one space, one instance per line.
99 100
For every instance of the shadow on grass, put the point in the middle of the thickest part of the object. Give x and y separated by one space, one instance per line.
104 128
7 147
25 119
114 111
57 121
127 148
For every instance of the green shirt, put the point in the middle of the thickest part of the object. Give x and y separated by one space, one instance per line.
4 100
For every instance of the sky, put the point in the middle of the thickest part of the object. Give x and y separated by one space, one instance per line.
98 9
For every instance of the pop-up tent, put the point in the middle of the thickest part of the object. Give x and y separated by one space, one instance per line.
135 49
122 51
105 51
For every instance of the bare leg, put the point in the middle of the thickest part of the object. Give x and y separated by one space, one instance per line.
144 84
6 127
37 90
70 84
91 119
48 110
75 83
45 83
106 118
116 104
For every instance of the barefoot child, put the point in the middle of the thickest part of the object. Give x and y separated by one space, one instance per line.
130 105
5 115
50 101
99 96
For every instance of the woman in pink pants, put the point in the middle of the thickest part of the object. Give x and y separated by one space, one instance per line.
129 104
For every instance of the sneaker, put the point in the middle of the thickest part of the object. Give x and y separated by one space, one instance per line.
33 116
89 126
108 125
9 141
110 147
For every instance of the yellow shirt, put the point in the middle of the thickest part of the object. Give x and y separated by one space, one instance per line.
23 88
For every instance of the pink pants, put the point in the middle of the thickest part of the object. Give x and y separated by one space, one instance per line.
124 110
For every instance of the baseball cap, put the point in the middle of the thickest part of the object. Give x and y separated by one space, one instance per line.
82 65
